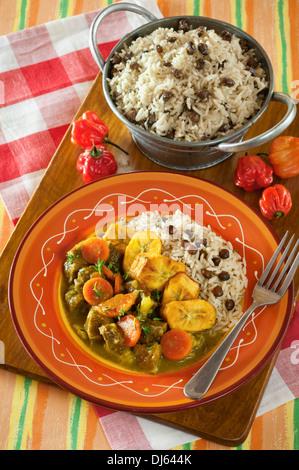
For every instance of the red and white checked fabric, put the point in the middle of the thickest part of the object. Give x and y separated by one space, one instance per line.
45 73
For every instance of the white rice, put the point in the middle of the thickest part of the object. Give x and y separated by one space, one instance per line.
234 288
141 89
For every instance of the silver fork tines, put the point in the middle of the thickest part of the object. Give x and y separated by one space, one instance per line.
269 289
277 267
270 264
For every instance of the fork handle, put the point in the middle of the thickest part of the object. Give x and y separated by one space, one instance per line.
202 380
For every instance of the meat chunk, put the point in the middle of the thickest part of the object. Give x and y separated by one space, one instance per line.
113 337
148 357
115 259
74 262
95 319
152 331
84 275
75 300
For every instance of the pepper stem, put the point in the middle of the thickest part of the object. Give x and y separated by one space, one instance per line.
95 152
278 215
115 145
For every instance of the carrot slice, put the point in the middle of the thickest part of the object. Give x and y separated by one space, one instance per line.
94 249
108 273
131 330
119 304
176 344
97 290
117 284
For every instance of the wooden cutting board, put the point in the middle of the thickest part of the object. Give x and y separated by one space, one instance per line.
226 421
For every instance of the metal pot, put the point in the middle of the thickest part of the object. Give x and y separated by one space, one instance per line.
185 155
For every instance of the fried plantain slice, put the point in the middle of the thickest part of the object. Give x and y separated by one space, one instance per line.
190 315
180 287
141 242
153 271
119 236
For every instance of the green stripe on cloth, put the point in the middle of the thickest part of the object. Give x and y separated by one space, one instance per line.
63 8
23 14
74 423
238 19
296 424
187 446
19 436
284 81
196 7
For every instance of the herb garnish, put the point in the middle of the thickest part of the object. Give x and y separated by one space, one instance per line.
113 267
122 314
126 277
96 291
99 265
146 329
70 258
156 295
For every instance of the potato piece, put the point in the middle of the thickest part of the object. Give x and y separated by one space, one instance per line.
190 315
147 306
141 242
179 287
153 271
119 236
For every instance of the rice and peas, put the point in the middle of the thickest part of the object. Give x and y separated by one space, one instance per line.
188 85
203 252
192 85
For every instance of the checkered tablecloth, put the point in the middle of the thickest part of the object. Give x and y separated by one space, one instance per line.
45 73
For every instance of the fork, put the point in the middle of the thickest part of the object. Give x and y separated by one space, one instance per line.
269 289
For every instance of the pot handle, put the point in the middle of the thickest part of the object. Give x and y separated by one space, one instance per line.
99 18
268 135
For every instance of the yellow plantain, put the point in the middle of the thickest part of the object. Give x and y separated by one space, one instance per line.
190 315
141 242
180 287
153 271
119 236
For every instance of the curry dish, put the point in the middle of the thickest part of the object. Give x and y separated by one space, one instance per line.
134 306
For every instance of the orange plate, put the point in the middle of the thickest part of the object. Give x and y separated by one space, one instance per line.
36 272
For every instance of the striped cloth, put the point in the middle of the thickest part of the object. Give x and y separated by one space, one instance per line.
37 416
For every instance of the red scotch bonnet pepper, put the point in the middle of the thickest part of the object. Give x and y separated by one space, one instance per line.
275 202
253 173
95 163
90 130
